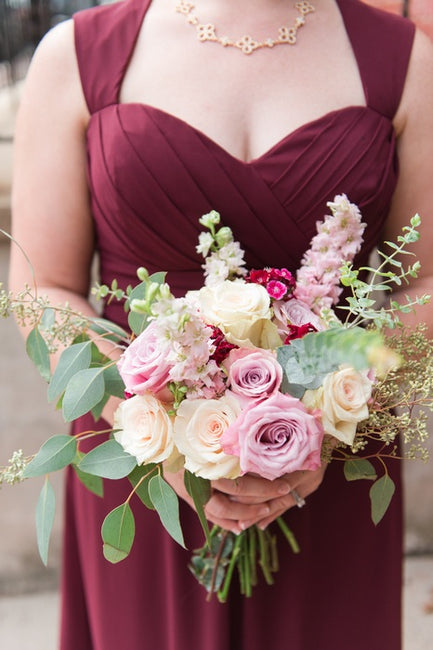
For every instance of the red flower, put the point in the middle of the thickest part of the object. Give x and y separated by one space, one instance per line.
261 276
222 346
298 331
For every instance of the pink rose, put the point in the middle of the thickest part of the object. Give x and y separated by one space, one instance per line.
253 373
143 366
275 437
294 312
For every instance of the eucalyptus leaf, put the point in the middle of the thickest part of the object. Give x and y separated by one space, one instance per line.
118 532
45 510
108 330
99 407
108 460
307 360
381 493
48 318
93 483
72 360
200 490
138 322
166 503
114 384
143 473
359 469
38 352
83 392
57 452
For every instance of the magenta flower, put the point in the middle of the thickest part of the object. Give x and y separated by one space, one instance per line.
276 289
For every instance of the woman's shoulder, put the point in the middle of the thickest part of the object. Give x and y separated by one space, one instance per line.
417 97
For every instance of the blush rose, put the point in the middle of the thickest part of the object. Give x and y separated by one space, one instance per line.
275 437
198 427
143 365
144 429
342 400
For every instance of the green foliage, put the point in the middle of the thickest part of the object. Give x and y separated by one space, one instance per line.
140 301
359 468
108 330
139 479
108 460
93 483
38 352
84 391
73 359
118 532
381 493
56 453
200 490
402 399
307 360
45 510
362 304
166 503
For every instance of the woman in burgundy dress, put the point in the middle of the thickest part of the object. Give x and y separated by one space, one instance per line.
131 128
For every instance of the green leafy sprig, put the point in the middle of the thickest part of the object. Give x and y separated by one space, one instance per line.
362 304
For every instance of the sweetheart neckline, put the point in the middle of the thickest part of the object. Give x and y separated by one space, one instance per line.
253 161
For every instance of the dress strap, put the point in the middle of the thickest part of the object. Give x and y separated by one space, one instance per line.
105 37
382 45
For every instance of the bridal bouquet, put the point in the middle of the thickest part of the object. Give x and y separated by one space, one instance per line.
252 373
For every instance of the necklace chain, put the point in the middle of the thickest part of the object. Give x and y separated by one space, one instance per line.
247 44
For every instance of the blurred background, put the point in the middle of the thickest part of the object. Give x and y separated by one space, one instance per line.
28 591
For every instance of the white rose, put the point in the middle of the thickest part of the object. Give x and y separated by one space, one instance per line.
198 427
145 429
343 401
240 309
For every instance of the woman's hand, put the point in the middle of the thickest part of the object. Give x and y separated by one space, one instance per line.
234 501
274 495
238 504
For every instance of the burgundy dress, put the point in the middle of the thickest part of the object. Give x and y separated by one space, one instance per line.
151 175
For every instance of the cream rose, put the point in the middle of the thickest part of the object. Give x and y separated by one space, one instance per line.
198 427
145 429
240 309
342 400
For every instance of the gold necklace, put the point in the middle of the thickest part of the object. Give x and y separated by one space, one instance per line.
247 44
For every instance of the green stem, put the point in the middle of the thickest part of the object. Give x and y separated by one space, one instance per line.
288 535
216 565
252 553
223 593
245 564
264 556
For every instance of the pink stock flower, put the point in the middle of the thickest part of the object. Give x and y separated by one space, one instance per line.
338 239
143 366
253 373
275 437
